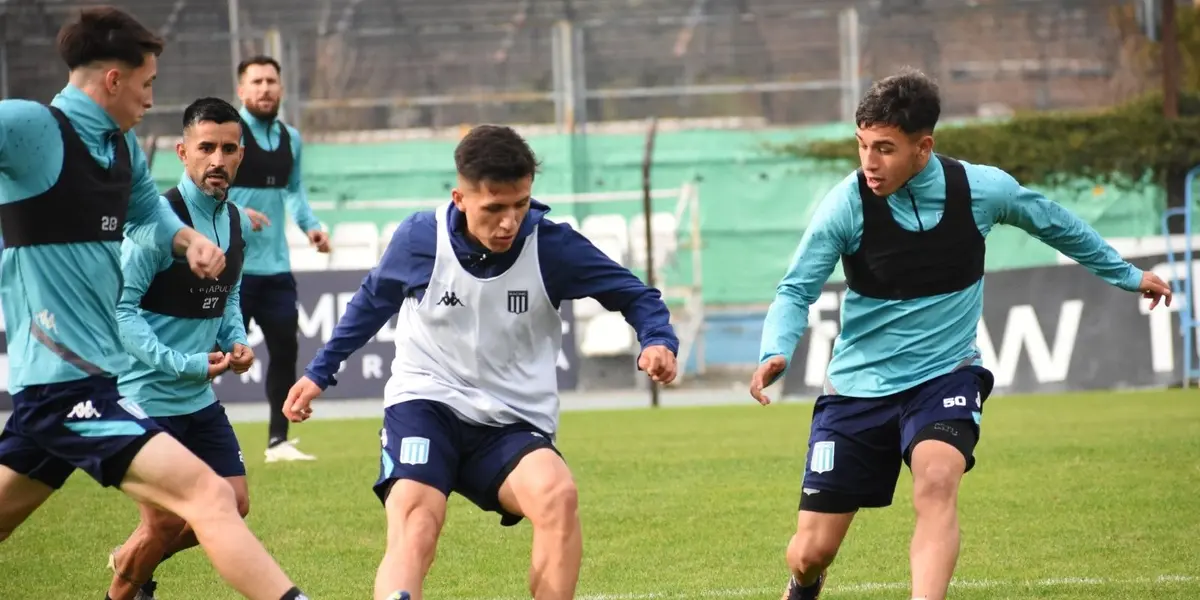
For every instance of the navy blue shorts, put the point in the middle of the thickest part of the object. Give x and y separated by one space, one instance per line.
208 434
82 424
269 298
856 445
425 441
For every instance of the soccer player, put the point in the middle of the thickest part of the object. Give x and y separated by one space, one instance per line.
182 332
267 184
73 182
906 380
472 403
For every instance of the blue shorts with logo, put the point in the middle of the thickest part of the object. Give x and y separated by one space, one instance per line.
856 445
83 424
426 441
209 435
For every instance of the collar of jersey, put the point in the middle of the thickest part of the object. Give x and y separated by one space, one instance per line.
91 122
196 199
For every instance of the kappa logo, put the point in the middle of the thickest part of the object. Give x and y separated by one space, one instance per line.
450 299
822 457
46 320
414 450
84 410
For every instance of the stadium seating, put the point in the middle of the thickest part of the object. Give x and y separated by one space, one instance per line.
303 255
355 245
609 233
663 233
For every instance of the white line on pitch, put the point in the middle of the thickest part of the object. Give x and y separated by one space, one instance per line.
858 588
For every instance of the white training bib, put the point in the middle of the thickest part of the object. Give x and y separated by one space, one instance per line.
488 348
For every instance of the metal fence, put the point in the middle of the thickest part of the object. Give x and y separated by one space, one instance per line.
389 64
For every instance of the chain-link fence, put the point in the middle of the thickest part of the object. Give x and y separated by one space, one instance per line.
387 64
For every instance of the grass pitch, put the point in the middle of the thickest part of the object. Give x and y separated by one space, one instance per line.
1074 497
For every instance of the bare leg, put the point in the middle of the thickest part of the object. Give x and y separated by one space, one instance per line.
541 488
815 544
19 497
157 534
141 553
937 469
415 514
166 475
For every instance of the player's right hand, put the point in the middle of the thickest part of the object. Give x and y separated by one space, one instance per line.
205 258
765 375
298 405
218 362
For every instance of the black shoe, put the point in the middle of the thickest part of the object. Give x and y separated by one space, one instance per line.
812 592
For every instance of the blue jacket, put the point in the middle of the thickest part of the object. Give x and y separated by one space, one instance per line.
267 250
572 268
70 289
888 346
170 374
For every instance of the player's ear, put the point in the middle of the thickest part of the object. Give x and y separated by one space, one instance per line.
181 151
926 145
112 78
457 195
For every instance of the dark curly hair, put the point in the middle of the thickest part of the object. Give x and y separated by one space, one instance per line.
494 153
908 100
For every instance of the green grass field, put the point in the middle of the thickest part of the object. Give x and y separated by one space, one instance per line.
1074 497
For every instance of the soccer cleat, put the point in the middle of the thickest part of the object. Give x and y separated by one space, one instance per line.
812 592
399 595
286 452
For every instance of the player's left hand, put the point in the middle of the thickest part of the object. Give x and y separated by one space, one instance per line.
659 363
205 258
241 359
320 239
1154 288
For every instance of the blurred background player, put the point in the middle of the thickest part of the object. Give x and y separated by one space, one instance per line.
59 285
906 382
267 187
182 332
472 404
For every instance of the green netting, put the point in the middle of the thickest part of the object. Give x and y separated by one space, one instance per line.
754 204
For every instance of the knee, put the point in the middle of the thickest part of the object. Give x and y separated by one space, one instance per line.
557 505
935 487
417 527
809 554
212 498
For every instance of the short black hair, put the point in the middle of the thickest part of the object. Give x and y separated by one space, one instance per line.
260 59
210 109
909 100
494 153
106 33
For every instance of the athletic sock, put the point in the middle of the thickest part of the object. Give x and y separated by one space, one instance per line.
294 594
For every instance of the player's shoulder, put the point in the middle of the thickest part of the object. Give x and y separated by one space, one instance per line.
26 115
418 230
987 181
21 108
293 132
839 205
